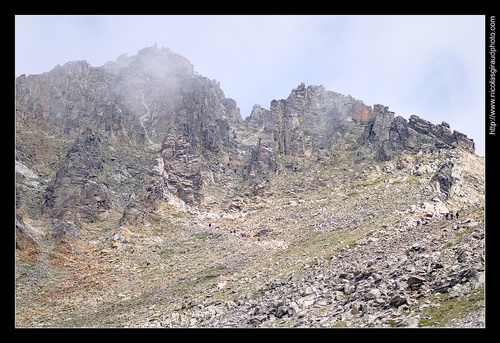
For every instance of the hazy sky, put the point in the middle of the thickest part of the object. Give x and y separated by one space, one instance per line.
429 65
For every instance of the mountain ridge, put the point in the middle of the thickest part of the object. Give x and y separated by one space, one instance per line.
145 152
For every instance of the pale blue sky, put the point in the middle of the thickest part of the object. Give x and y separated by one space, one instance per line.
429 65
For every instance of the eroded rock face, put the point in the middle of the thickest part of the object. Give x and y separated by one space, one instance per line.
443 178
153 105
311 118
77 193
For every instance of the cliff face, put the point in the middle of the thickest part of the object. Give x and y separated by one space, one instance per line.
153 105
114 121
118 146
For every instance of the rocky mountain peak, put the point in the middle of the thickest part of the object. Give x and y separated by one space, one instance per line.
155 104
145 150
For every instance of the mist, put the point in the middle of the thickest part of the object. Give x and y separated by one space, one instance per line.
431 66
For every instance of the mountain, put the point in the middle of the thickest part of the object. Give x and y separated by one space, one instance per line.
143 198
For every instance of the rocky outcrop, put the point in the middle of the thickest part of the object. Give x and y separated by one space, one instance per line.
141 102
391 135
77 193
155 102
154 190
27 243
310 119
443 178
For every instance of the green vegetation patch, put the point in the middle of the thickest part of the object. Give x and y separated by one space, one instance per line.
451 308
211 272
165 253
373 182
206 235
459 236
